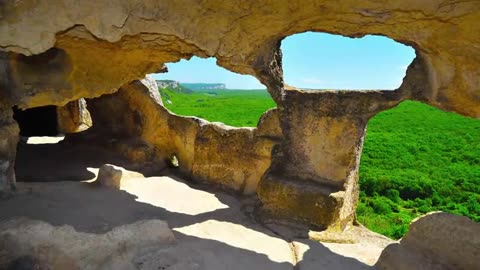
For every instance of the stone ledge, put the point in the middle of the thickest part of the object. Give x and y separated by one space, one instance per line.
307 202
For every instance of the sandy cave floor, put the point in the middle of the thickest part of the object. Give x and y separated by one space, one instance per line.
220 227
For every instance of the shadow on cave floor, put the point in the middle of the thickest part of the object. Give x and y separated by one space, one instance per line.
218 225
63 161
213 225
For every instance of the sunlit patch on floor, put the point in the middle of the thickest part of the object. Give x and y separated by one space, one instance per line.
172 195
239 236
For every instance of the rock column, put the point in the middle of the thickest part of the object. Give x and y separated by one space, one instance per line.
314 173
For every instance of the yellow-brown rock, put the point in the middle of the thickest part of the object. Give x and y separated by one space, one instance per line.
73 117
314 172
106 44
436 240
54 52
134 117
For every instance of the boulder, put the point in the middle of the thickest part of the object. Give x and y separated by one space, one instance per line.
73 117
436 240
109 176
31 243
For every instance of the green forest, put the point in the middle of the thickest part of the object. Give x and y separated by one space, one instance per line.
416 158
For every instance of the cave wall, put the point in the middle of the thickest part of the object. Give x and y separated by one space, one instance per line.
9 136
86 49
147 133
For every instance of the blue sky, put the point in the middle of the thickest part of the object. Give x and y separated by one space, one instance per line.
315 60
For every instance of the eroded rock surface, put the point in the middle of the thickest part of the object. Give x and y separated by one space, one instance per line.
73 117
436 241
120 42
147 133
314 172
25 241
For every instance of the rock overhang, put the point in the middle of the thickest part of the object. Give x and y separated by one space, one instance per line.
243 37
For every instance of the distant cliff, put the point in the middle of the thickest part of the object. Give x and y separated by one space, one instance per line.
204 86
189 87
173 85
168 84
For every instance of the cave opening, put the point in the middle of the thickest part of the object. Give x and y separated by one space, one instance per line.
39 121
199 87
43 153
321 61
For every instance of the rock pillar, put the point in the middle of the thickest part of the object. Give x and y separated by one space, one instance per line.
314 173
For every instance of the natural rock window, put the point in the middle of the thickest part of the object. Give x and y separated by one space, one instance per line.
325 61
199 87
418 159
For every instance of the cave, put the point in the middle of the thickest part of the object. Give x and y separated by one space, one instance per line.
281 194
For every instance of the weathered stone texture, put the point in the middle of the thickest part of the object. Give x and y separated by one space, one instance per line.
314 172
73 117
109 176
235 158
435 241
8 146
122 40
64 248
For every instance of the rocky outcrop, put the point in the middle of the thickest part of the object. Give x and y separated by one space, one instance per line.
435 241
168 84
38 245
205 86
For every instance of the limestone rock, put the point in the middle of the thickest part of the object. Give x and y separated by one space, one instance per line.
314 173
110 176
122 42
26 242
269 125
242 155
152 87
436 241
73 117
